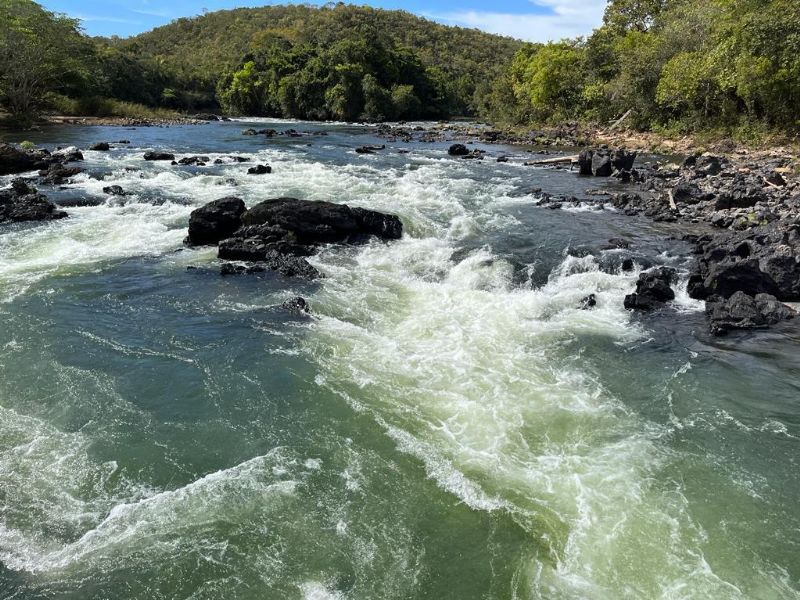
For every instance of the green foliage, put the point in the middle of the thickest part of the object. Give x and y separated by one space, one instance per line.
731 66
40 52
27 145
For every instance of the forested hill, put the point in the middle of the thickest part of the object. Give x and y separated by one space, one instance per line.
338 61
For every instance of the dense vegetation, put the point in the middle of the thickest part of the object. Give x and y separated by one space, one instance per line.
673 65
677 65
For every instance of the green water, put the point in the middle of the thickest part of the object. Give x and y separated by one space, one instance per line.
447 424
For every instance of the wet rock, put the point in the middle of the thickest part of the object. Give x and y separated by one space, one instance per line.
100 147
114 190
66 155
79 202
369 149
199 161
249 131
502 159
652 290
22 202
742 311
297 305
157 155
458 150
601 165
57 174
286 264
215 221
259 170
588 302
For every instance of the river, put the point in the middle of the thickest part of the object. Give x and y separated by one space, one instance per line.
447 424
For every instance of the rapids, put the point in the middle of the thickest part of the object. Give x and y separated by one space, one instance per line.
447 424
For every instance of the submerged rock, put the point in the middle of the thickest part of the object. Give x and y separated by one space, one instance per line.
23 203
742 311
114 190
652 290
298 305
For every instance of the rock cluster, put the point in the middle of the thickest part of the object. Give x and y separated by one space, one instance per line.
22 202
652 290
279 234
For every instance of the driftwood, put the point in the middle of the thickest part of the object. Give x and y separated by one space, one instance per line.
553 161
619 121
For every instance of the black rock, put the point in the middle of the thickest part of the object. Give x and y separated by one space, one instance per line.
14 161
652 290
588 303
23 203
458 150
369 149
215 221
79 202
100 147
114 190
601 165
323 222
194 160
155 155
298 305
742 311
585 162
259 170
57 174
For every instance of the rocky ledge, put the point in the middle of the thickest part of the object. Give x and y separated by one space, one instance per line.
22 202
278 234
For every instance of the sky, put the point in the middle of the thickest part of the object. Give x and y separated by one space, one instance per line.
531 20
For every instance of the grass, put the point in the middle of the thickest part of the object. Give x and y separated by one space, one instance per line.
107 107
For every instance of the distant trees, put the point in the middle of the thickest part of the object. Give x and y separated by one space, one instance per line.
40 52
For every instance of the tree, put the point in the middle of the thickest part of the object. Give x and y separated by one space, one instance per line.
40 52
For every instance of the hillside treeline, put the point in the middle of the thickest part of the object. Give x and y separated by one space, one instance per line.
677 65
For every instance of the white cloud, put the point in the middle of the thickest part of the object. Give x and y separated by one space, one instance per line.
564 19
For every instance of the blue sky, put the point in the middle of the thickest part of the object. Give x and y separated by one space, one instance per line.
533 20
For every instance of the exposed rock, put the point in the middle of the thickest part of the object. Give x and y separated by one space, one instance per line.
285 264
298 305
100 147
199 161
156 155
114 190
215 221
70 154
259 170
14 161
588 302
23 203
79 202
58 175
458 150
652 290
742 311
601 165
369 149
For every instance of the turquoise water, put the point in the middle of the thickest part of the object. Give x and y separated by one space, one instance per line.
447 424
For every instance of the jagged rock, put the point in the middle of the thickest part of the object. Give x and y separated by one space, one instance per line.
286 264
259 170
601 165
652 290
66 155
23 203
297 305
215 221
156 155
742 311
57 174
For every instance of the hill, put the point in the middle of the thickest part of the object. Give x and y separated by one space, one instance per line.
244 57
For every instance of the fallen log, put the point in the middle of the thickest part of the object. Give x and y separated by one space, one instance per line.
553 161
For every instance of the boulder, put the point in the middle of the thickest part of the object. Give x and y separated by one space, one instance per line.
57 174
114 190
585 162
156 155
601 165
23 203
588 302
14 161
259 170
742 311
199 161
623 160
323 222
215 221
100 147
70 154
652 290
458 150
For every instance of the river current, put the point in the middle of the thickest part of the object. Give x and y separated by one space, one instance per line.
447 424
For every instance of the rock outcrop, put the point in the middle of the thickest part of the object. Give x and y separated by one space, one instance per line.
742 311
23 203
652 290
